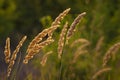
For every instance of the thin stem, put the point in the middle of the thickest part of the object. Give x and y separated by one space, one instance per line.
60 63
60 69
15 69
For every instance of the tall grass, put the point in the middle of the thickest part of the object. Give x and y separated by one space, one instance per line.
76 59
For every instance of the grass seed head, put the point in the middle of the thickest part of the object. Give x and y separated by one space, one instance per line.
7 51
81 40
110 52
73 25
58 19
62 40
44 58
101 72
36 49
14 55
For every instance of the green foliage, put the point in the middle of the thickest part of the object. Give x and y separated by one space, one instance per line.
7 16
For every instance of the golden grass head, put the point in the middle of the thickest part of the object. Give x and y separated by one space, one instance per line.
7 51
31 50
101 71
62 40
99 43
81 40
36 44
110 52
81 49
9 69
14 55
58 19
40 36
45 57
73 25
36 49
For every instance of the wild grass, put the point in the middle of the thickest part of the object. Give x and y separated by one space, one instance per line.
14 55
76 59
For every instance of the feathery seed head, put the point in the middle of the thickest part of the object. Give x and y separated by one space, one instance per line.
36 49
100 72
14 55
81 40
7 51
36 43
72 27
44 58
61 40
110 52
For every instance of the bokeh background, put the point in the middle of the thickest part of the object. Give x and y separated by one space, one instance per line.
29 17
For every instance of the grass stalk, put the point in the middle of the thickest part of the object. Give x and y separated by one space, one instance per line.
60 68
13 75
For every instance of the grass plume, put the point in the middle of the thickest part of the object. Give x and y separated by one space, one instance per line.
44 58
101 71
73 25
7 51
110 52
14 55
62 40
35 45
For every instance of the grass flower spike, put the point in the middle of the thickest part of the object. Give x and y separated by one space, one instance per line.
61 40
14 56
7 50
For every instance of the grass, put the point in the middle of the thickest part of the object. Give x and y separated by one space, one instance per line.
76 59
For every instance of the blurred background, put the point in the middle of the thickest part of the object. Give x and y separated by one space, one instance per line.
29 17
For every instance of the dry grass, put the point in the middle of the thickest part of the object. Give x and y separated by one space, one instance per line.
110 52
99 44
45 57
73 25
38 43
62 40
77 54
100 72
58 19
7 51
81 40
36 49
81 49
14 56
